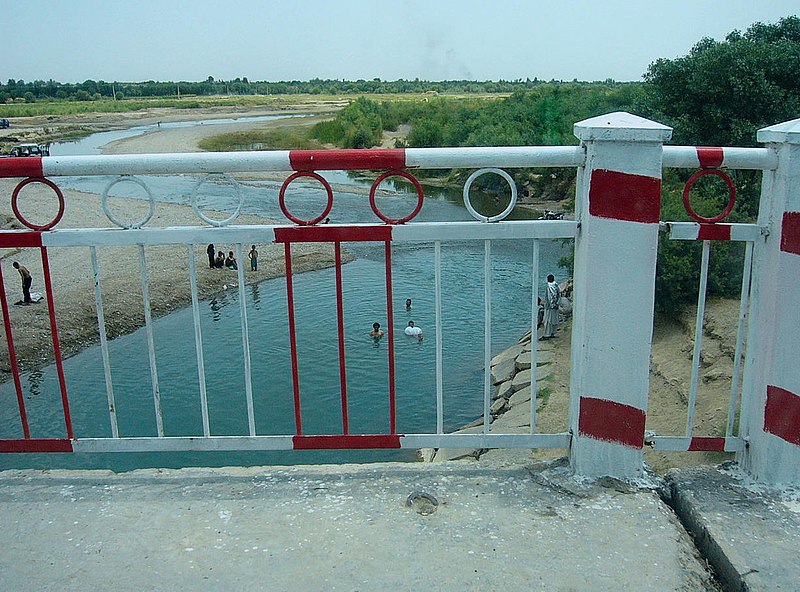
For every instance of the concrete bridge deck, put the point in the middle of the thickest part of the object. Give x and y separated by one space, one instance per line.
496 527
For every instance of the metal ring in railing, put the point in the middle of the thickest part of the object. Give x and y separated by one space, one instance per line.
236 187
282 198
407 176
731 196
117 221
22 219
477 215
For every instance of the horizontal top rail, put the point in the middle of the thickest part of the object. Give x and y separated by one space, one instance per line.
291 160
371 159
692 157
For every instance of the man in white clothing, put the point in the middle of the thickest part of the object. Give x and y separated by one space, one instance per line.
552 296
413 331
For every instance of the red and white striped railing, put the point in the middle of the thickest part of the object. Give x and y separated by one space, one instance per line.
617 195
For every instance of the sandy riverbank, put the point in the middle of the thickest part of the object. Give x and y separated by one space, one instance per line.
167 266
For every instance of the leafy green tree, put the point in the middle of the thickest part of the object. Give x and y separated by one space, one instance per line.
720 94
724 91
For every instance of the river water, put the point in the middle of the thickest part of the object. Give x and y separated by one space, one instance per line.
315 311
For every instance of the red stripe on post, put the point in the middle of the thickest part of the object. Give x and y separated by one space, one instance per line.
610 421
790 233
346 442
36 445
347 160
332 234
782 414
14 238
622 196
29 166
706 444
710 158
714 232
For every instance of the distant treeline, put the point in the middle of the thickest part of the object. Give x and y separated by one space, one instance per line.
90 90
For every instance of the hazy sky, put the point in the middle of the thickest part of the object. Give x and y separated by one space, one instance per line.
72 41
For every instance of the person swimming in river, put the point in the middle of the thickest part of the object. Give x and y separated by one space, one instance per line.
413 331
376 332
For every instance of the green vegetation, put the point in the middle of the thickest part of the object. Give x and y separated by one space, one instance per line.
544 115
720 95
19 91
544 393
281 138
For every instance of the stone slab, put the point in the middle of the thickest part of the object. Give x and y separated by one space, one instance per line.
748 532
336 527
504 390
503 370
509 353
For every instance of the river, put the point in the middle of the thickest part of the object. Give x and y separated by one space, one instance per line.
367 366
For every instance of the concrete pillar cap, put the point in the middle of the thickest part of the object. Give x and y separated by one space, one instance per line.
787 132
621 127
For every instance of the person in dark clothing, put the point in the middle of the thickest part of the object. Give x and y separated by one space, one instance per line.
211 252
219 262
230 261
27 280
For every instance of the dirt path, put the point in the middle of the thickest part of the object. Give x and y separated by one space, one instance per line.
670 375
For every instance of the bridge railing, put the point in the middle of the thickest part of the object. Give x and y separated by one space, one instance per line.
616 231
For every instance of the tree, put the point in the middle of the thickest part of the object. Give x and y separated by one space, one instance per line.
720 95
724 91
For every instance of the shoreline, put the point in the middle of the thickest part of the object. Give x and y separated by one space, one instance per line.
122 299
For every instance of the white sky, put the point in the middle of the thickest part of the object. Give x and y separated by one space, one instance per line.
72 41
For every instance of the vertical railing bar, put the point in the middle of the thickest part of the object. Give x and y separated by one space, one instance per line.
698 337
390 319
101 325
198 343
248 374
534 333
298 418
437 251
337 246
151 347
51 309
12 354
487 335
744 306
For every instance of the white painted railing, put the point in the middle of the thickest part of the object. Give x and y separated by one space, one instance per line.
616 232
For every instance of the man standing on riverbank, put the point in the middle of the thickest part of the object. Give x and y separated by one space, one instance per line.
253 255
27 280
551 299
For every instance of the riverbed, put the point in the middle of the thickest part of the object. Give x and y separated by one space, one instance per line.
364 303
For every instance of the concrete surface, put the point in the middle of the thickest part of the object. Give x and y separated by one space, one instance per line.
748 532
496 527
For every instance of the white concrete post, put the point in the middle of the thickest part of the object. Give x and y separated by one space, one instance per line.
770 418
618 205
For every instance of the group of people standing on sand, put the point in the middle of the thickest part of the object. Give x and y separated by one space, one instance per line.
411 330
218 259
